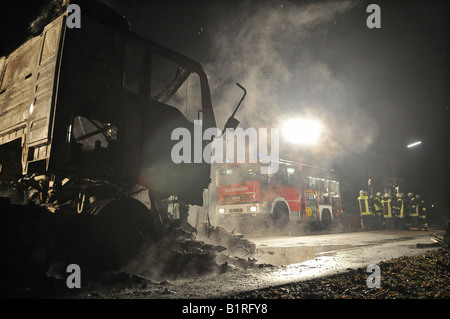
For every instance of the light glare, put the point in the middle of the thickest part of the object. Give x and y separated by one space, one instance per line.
302 131
414 144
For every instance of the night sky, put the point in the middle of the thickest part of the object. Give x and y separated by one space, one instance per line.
376 90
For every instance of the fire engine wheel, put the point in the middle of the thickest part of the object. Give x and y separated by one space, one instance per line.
123 226
326 219
280 216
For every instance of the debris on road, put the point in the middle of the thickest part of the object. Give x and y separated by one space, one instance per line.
428 245
229 239
181 254
240 252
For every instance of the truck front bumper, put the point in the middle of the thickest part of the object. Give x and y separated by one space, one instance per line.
240 209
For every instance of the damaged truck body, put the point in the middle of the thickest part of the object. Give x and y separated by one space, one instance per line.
86 117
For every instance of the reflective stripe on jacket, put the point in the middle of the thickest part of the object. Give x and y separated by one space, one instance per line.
387 208
377 204
422 210
414 208
400 208
364 205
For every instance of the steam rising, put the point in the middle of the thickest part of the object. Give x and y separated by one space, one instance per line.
268 48
277 51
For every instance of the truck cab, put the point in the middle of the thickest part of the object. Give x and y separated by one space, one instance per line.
100 102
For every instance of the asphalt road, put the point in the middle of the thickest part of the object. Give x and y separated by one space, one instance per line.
294 258
348 250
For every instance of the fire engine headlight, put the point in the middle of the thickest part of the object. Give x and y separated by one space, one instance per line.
253 209
221 210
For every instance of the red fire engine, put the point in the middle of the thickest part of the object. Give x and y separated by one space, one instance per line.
297 192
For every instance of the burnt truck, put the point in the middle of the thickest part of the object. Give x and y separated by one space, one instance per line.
86 116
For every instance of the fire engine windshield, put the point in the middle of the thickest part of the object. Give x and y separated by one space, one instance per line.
324 187
240 174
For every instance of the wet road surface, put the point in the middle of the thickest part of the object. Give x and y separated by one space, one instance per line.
294 259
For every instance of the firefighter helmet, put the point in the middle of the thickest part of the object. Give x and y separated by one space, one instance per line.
361 192
410 194
379 194
386 195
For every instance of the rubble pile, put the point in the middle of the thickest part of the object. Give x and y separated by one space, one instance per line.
240 252
180 253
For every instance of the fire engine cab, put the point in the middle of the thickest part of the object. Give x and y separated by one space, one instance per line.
296 193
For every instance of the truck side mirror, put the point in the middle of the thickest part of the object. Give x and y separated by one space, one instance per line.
231 123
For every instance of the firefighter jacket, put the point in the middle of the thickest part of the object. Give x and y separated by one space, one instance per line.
400 208
406 205
387 207
414 207
422 210
377 205
363 201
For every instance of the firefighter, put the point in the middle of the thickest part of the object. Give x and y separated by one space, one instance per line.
377 210
370 202
399 212
406 201
387 211
413 210
365 213
422 218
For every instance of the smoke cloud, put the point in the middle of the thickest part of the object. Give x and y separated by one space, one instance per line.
271 49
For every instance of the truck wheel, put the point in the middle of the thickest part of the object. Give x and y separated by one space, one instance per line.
124 226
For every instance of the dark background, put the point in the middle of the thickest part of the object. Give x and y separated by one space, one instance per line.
376 89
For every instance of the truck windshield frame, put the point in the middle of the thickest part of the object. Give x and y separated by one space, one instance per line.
93 141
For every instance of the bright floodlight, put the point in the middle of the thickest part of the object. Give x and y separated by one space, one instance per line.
414 144
302 131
